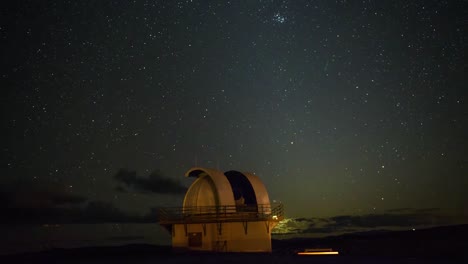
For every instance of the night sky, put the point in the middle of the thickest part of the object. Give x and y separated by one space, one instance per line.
353 109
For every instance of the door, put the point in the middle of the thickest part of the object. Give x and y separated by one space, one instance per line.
195 239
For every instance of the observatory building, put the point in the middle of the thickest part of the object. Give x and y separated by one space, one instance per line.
222 212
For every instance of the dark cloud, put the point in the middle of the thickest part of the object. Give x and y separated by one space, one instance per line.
61 199
413 210
320 230
126 238
302 219
399 210
395 218
426 210
121 189
152 215
44 204
92 213
379 220
105 212
38 196
154 183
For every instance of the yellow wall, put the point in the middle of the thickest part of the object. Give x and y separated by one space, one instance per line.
257 238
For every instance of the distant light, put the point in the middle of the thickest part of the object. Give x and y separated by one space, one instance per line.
275 217
318 253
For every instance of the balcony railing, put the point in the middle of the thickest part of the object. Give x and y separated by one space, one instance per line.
225 213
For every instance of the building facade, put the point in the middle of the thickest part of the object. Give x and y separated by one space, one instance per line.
222 212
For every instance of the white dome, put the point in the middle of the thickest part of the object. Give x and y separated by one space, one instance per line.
214 188
202 193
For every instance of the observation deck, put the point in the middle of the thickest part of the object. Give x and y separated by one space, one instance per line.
220 214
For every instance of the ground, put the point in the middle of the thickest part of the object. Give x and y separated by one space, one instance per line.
437 245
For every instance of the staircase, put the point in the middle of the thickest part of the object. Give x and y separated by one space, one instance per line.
220 243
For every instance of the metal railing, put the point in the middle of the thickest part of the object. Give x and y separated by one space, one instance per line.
224 213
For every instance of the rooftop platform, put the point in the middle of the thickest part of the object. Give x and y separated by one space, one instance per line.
219 214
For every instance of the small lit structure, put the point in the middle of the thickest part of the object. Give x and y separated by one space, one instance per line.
222 212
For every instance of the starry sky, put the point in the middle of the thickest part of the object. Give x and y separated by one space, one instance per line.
343 108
